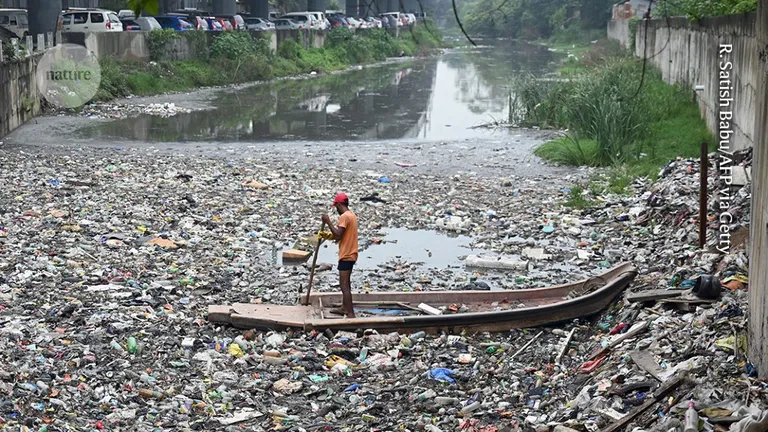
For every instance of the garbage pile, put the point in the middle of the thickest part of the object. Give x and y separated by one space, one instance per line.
116 111
109 259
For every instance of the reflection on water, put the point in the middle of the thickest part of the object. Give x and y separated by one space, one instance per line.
433 99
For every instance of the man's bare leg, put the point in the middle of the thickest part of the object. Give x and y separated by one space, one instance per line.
346 293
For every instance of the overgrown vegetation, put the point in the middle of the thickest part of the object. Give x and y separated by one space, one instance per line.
697 9
236 57
158 41
534 19
608 122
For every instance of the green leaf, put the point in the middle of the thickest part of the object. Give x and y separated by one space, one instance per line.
152 7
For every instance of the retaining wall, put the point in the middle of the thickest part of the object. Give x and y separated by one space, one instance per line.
688 52
120 45
19 98
619 30
758 230
135 45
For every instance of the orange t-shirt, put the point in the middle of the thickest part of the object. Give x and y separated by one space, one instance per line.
348 242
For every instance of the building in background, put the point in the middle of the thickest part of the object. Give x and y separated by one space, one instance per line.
630 8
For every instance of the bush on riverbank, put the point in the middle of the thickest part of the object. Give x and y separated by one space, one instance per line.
236 57
609 122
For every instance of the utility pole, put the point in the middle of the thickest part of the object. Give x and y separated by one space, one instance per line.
43 16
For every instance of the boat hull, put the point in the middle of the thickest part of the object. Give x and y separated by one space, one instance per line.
536 307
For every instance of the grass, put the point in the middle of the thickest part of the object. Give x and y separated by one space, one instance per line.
237 58
577 199
609 124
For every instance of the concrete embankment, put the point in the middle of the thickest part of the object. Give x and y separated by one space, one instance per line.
689 52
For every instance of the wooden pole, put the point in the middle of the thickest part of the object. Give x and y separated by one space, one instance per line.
703 168
314 261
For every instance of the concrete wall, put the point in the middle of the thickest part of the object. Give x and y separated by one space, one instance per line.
758 257
688 52
120 45
19 98
135 45
619 30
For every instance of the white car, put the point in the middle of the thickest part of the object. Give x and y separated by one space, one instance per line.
355 23
374 22
306 19
394 15
148 23
15 20
259 24
91 21
411 18
320 22
288 24
126 14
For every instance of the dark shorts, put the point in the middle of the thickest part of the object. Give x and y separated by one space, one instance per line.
346 265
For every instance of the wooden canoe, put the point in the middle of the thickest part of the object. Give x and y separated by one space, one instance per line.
486 310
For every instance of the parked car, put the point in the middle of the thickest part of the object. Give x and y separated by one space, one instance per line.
307 19
174 22
338 21
130 25
320 22
91 21
354 23
288 24
389 16
193 16
225 24
15 20
260 24
126 14
148 23
411 18
237 21
273 16
213 24
374 22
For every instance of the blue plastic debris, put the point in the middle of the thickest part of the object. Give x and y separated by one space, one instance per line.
442 374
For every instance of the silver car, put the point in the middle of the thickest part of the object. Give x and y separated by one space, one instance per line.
259 24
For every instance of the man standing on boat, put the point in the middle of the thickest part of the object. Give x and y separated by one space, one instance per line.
346 234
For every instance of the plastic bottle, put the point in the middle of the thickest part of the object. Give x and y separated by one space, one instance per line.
691 419
474 406
133 346
444 400
429 394
116 346
418 335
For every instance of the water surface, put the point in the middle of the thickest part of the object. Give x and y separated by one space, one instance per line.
435 99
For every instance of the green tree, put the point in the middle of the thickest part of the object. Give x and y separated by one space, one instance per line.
151 7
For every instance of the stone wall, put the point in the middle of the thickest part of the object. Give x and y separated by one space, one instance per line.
19 98
688 53
619 30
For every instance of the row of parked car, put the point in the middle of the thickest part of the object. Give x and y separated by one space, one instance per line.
87 20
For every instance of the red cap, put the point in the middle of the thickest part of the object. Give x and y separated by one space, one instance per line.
340 198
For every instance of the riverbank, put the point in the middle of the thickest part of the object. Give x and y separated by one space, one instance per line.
237 58
616 116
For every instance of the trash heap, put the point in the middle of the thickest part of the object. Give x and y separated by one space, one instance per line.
109 259
116 111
